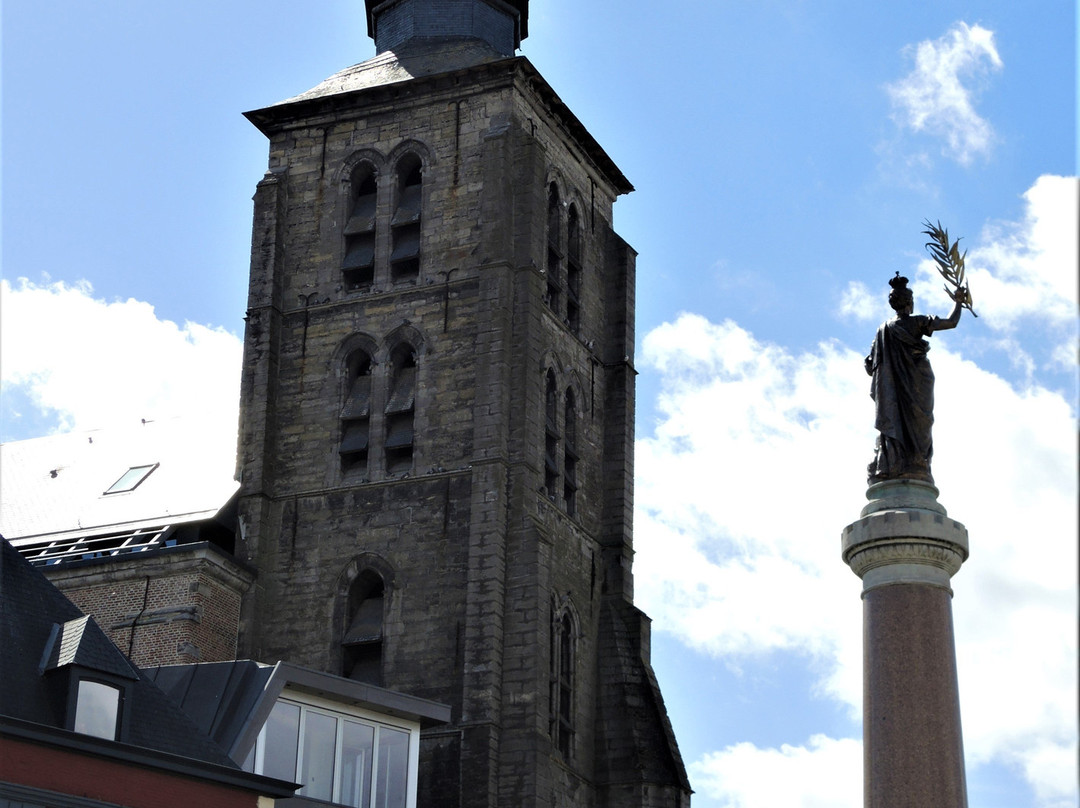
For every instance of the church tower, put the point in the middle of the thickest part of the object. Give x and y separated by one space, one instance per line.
437 412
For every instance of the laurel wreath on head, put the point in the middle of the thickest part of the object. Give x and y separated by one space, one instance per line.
950 263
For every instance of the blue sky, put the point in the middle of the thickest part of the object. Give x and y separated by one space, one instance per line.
784 155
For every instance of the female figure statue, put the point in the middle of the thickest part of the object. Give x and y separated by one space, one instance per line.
903 387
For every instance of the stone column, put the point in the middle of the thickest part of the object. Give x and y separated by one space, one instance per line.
905 549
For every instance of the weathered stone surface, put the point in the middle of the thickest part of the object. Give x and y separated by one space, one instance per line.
476 552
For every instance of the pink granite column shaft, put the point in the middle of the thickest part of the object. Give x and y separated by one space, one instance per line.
906 549
913 746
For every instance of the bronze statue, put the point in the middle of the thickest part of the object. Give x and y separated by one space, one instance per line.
903 382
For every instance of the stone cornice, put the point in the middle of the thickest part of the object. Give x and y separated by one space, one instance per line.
904 536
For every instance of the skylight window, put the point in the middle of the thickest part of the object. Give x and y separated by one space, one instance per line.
131 479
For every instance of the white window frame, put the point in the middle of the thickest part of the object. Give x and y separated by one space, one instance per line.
334 709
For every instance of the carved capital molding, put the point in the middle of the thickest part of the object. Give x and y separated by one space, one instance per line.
905 545
868 556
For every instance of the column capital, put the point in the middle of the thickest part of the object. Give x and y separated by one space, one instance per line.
904 536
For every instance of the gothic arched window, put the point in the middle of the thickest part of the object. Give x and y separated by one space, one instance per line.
405 224
356 413
362 641
551 437
554 249
358 267
573 270
570 455
561 708
400 406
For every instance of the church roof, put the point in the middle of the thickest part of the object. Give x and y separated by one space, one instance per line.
429 58
133 484
417 59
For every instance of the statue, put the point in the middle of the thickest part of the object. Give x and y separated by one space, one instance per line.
903 382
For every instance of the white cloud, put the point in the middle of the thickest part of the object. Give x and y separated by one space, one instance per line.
728 512
858 302
822 774
934 97
1023 275
88 363
758 462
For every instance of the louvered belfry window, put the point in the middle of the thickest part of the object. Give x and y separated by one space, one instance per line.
363 637
356 413
405 224
570 455
358 266
573 270
551 437
553 296
400 407
561 702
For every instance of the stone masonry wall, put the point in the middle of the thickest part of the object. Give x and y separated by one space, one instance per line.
474 553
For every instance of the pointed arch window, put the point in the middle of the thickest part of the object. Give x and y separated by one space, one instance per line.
362 641
400 407
570 455
356 413
553 298
551 437
561 710
405 224
358 266
573 270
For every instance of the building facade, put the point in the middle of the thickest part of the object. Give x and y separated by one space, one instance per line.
437 408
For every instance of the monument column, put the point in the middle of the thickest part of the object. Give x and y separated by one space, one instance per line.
906 549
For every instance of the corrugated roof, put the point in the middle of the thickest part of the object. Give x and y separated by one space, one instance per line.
54 487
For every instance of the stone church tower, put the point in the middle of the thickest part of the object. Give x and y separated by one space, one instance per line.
436 439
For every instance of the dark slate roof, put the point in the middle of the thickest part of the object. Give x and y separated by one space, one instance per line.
33 612
230 701
429 59
82 642
418 59
634 726
220 697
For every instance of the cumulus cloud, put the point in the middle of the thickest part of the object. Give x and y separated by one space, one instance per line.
858 302
822 774
758 461
745 422
85 363
938 96
1024 274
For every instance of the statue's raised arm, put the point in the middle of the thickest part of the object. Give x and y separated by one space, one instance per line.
902 383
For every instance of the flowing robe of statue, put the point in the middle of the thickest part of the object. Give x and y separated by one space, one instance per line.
903 391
